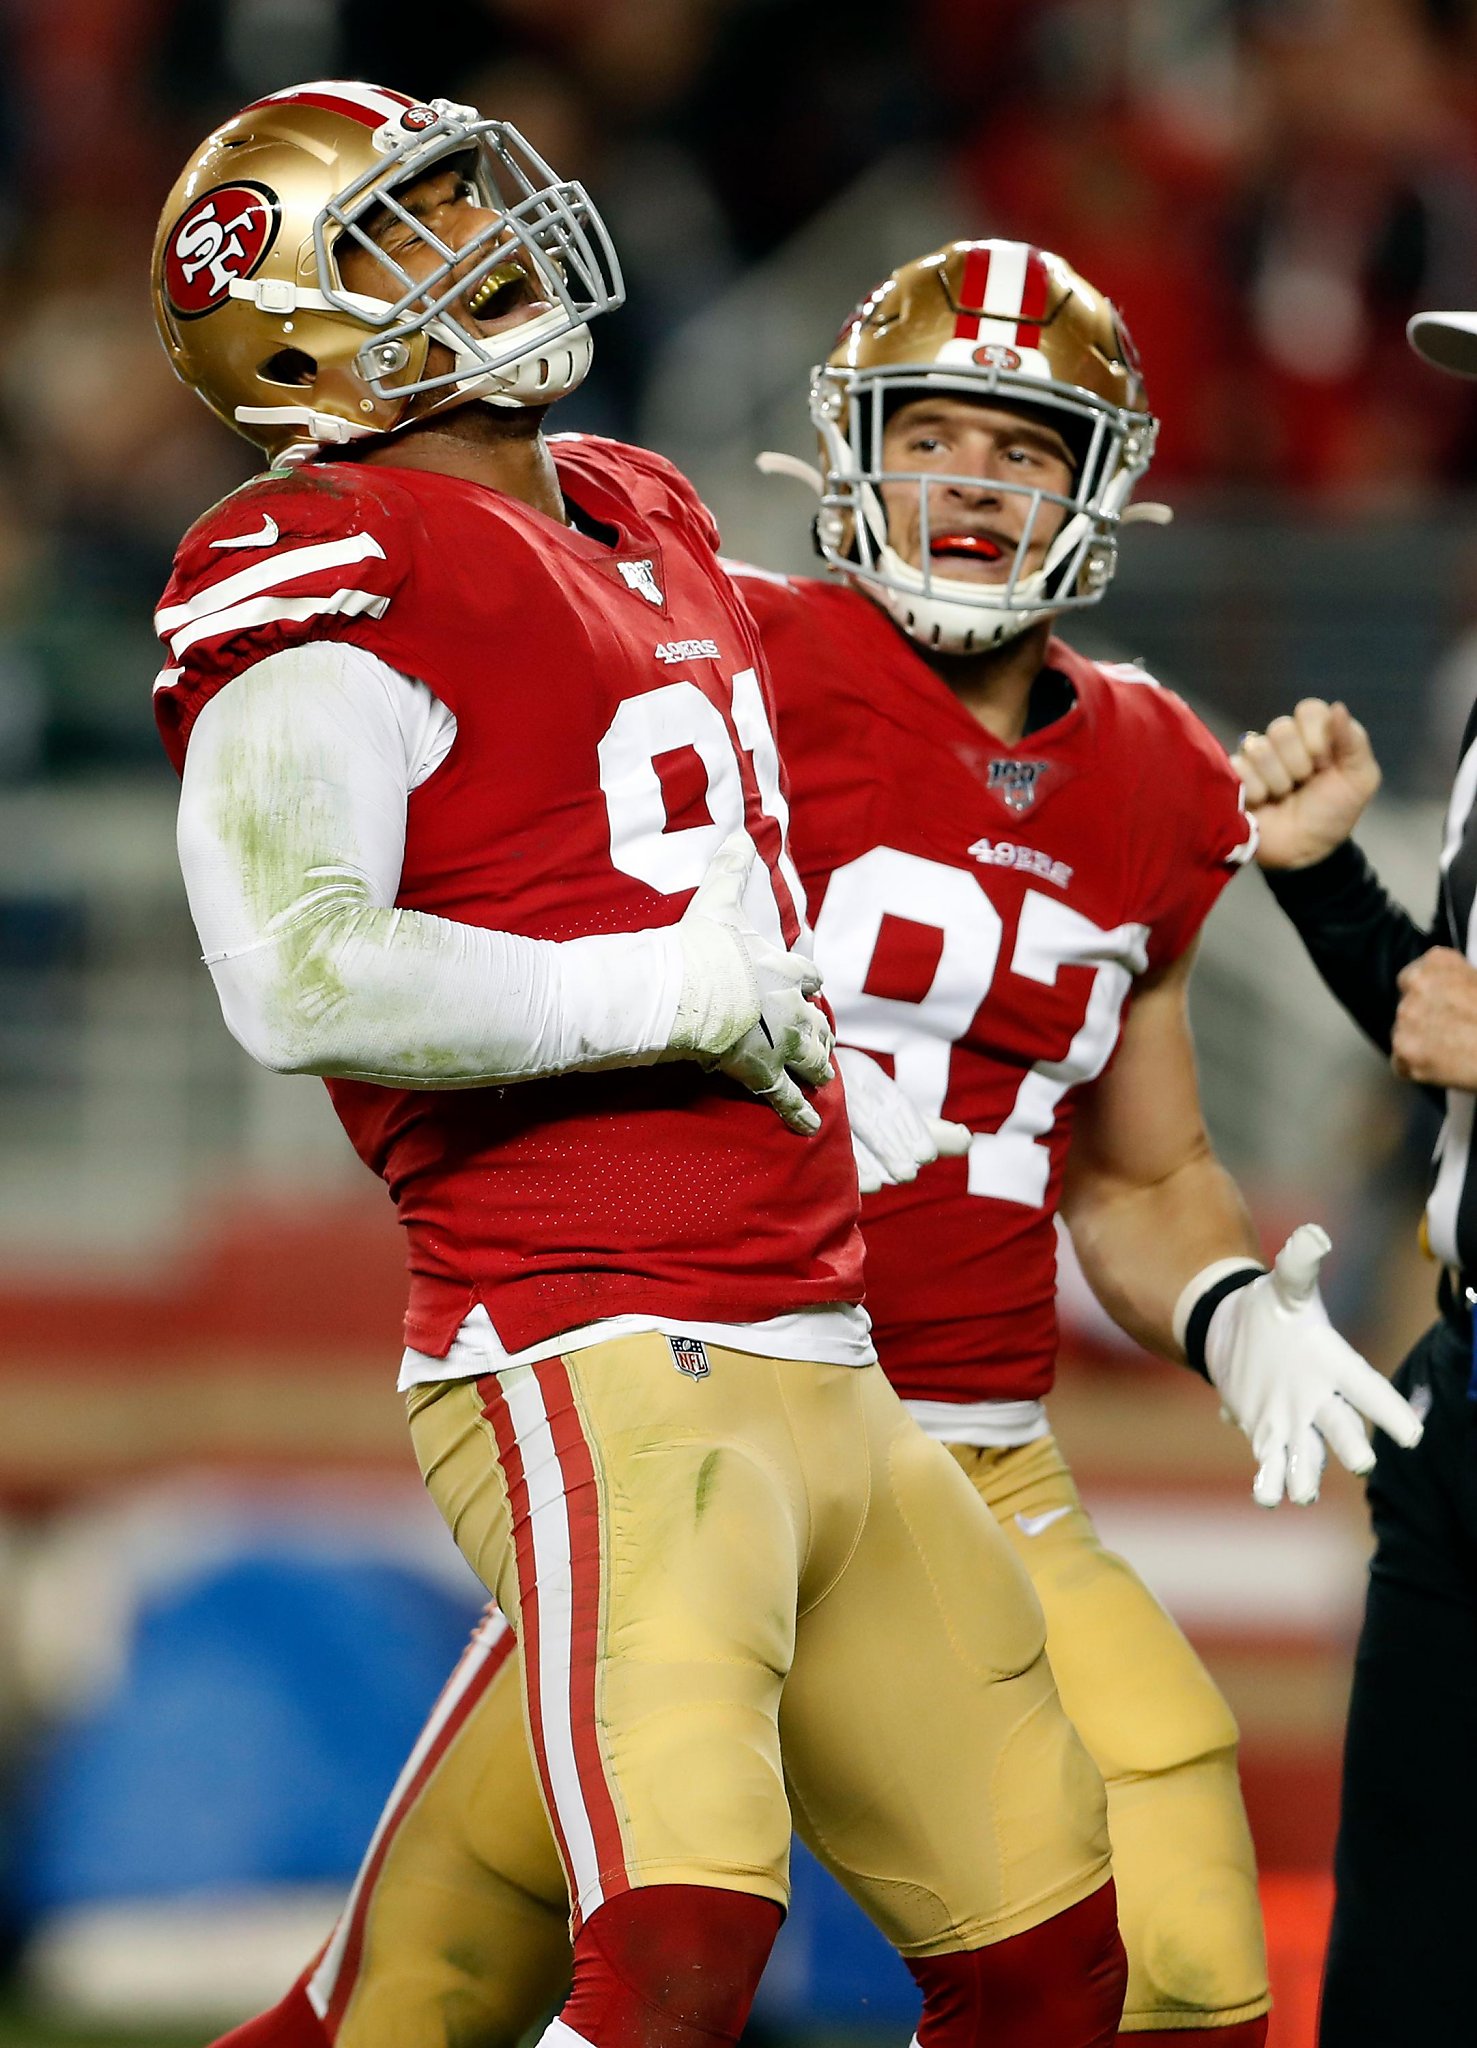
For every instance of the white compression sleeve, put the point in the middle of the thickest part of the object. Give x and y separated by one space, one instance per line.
292 837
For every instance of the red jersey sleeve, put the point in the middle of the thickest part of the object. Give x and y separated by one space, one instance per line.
662 479
774 602
312 554
1207 835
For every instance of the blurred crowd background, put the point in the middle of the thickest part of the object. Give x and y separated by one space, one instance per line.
209 1524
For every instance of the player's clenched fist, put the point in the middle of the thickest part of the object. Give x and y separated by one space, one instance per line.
1307 778
745 1005
1434 1039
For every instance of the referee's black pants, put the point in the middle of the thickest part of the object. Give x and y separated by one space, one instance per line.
1402 1956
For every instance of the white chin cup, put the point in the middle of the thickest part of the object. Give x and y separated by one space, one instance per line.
555 359
954 617
946 613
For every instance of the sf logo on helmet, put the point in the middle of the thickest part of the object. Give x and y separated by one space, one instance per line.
222 237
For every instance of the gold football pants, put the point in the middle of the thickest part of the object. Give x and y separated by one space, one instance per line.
455 1935
697 1561
1165 1742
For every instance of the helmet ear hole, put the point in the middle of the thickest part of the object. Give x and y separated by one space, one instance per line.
289 366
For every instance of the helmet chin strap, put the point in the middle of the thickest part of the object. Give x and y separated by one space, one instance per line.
536 376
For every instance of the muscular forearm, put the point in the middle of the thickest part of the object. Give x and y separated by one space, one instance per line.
1139 1245
352 989
1355 935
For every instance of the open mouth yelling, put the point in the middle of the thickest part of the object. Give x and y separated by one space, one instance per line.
503 291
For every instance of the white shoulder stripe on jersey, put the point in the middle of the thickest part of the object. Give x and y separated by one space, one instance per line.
268 573
733 567
166 679
1130 672
265 611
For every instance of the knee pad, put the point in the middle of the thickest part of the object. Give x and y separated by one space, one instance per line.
1197 1947
1187 1897
1061 1982
669 1966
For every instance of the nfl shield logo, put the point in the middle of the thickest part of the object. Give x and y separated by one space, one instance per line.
1017 783
641 577
690 1355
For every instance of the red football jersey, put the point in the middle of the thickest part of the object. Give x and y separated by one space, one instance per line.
980 914
613 726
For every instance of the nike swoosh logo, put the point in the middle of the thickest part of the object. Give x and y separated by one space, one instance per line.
265 539
1032 1525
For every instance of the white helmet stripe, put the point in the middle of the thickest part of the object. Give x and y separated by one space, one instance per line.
370 104
1006 284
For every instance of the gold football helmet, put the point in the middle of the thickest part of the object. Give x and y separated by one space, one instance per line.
1011 325
253 312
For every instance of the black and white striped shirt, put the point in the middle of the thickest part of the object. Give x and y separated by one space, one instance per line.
1359 940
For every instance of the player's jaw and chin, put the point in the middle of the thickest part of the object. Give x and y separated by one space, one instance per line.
461 223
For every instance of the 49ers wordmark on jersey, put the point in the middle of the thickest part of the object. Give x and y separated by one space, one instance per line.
988 969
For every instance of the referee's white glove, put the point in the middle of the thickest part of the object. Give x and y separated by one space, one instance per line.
890 1137
1284 1374
744 1004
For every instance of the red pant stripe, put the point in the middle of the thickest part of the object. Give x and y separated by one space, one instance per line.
510 1454
556 1531
582 1506
331 1984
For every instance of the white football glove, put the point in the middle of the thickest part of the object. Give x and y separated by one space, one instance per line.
890 1138
1287 1378
743 1004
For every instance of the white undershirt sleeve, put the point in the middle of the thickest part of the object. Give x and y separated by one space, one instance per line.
292 837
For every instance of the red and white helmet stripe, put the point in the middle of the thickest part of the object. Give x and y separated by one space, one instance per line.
372 105
1004 287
